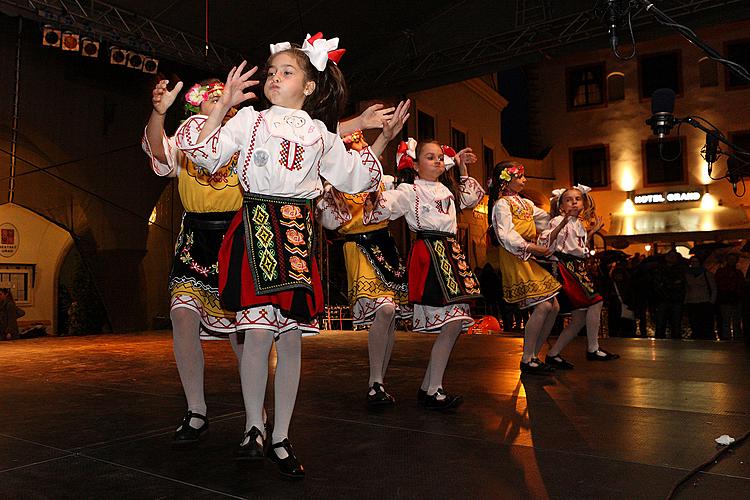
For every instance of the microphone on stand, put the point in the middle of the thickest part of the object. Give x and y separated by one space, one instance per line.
662 113
612 23
733 172
711 150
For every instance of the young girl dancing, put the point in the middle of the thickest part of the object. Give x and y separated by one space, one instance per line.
440 279
515 221
568 238
210 202
268 273
375 272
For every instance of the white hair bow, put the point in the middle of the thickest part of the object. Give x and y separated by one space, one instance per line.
556 193
583 189
318 50
280 47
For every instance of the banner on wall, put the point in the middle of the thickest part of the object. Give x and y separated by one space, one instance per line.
9 239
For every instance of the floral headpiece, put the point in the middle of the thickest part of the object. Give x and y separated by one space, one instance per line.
355 141
318 50
513 171
198 94
406 154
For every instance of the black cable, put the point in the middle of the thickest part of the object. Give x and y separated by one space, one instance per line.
633 53
90 193
42 169
705 464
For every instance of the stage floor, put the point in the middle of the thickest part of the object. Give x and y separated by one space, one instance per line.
92 417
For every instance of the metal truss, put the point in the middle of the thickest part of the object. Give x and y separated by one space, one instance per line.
493 53
103 21
531 11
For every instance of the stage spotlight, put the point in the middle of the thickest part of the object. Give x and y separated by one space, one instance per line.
117 56
150 65
51 37
135 60
71 42
89 48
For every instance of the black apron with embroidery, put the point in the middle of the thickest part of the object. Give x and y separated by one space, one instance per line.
449 270
382 253
278 237
197 250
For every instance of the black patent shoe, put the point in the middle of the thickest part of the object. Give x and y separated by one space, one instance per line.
421 396
536 367
558 362
289 467
185 435
433 402
594 356
379 398
250 448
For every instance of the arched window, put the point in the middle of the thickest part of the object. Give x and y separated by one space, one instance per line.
585 86
708 71
616 86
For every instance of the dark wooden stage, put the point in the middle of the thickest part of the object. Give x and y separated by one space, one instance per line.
92 417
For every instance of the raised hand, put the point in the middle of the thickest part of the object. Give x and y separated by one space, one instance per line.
463 158
539 250
466 157
234 88
371 201
162 98
376 116
393 126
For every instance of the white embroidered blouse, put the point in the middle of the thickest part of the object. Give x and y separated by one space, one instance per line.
570 240
503 213
283 152
426 205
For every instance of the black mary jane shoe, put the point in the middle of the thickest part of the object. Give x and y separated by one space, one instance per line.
250 448
421 396
594 356
433 402
558 362
380 397
536 367
289 467
186 435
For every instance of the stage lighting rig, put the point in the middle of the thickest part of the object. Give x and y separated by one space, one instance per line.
51 37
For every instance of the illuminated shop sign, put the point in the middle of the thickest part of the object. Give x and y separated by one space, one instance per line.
667 197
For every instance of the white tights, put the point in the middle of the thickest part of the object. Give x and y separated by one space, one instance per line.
441 352
538 327
591 317
188 354
254 377
380 341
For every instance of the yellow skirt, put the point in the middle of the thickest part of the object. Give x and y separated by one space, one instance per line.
525 283
364 282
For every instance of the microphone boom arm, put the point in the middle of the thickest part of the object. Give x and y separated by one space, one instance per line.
664 19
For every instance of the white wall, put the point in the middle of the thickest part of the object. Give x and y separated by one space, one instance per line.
45 244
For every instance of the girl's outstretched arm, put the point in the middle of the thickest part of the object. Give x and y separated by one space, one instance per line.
376 116
392 127
164 157
233 95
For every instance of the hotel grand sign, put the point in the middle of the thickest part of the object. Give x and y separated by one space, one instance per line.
667 197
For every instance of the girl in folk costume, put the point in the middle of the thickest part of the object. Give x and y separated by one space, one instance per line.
210 201
375 272
440 279
514 221
267 270
568 238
